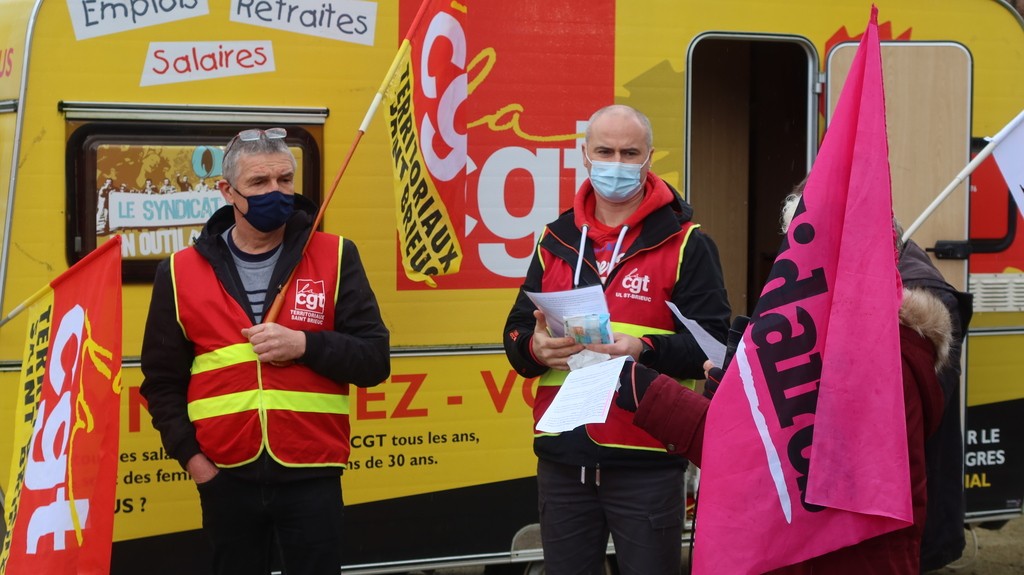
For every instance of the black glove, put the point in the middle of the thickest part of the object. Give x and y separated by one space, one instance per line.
715 375
634 380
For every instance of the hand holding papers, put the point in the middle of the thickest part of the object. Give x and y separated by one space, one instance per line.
557 306
584 397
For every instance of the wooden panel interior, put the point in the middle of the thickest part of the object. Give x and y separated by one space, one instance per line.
928 117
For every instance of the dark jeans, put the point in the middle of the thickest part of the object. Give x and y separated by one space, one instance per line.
242 521
642 508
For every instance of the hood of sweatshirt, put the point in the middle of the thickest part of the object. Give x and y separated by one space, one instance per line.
657 193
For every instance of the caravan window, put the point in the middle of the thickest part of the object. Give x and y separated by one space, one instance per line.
155 186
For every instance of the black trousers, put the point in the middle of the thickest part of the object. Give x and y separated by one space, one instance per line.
642 508
243 520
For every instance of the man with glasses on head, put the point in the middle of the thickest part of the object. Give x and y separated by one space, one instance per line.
257 412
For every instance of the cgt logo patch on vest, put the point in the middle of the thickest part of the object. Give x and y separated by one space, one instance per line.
636 286
310 301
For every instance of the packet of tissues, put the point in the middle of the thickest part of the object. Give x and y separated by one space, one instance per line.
590 328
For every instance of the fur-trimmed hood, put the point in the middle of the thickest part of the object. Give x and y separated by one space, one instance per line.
926 314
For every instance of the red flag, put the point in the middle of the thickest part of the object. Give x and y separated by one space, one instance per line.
805 445
59 506
427 129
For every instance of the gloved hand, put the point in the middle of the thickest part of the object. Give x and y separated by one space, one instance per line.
715 375
634 380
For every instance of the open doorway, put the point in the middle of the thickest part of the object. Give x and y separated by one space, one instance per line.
751 136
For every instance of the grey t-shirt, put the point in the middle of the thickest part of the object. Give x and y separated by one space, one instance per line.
255 270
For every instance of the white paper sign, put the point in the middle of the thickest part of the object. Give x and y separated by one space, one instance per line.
344 20
137 210
174 62
584 397
94 18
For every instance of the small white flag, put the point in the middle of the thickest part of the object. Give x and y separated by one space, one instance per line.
1009 154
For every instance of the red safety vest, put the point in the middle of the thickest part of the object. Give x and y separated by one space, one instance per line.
241 406
638 291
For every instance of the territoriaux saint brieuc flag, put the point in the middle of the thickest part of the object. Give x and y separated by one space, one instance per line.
805 446
427 132
59 499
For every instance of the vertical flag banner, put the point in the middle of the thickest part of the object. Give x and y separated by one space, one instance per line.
59 507
805 443
427 131
1009 154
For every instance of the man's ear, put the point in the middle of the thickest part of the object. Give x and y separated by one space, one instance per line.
225 190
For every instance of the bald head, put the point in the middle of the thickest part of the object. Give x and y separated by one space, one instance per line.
620 113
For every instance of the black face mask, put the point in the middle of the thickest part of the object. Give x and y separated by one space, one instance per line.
268 212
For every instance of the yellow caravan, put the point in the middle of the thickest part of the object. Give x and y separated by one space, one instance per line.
113 114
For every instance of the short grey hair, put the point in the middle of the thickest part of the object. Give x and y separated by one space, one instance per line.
629 110
237 148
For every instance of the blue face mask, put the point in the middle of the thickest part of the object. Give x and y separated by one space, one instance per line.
615 181
268 212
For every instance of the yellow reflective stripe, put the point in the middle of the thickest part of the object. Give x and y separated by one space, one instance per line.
555 377
638 330
682 248
337 278
552 377
223 405
636 447
301 401
223 357
297 401
537 253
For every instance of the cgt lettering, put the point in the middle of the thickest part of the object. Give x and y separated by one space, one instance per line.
47 466
310 300
373 440
444 36
636 283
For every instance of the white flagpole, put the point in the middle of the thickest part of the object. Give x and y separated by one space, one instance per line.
984 153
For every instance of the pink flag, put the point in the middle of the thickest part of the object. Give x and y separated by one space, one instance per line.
805 447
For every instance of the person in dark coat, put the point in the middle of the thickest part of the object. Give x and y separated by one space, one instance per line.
943 539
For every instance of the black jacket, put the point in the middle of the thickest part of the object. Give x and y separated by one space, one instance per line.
943 538
699 293
357 351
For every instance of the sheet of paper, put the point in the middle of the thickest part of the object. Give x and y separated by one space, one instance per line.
584 397
559 305
714 349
